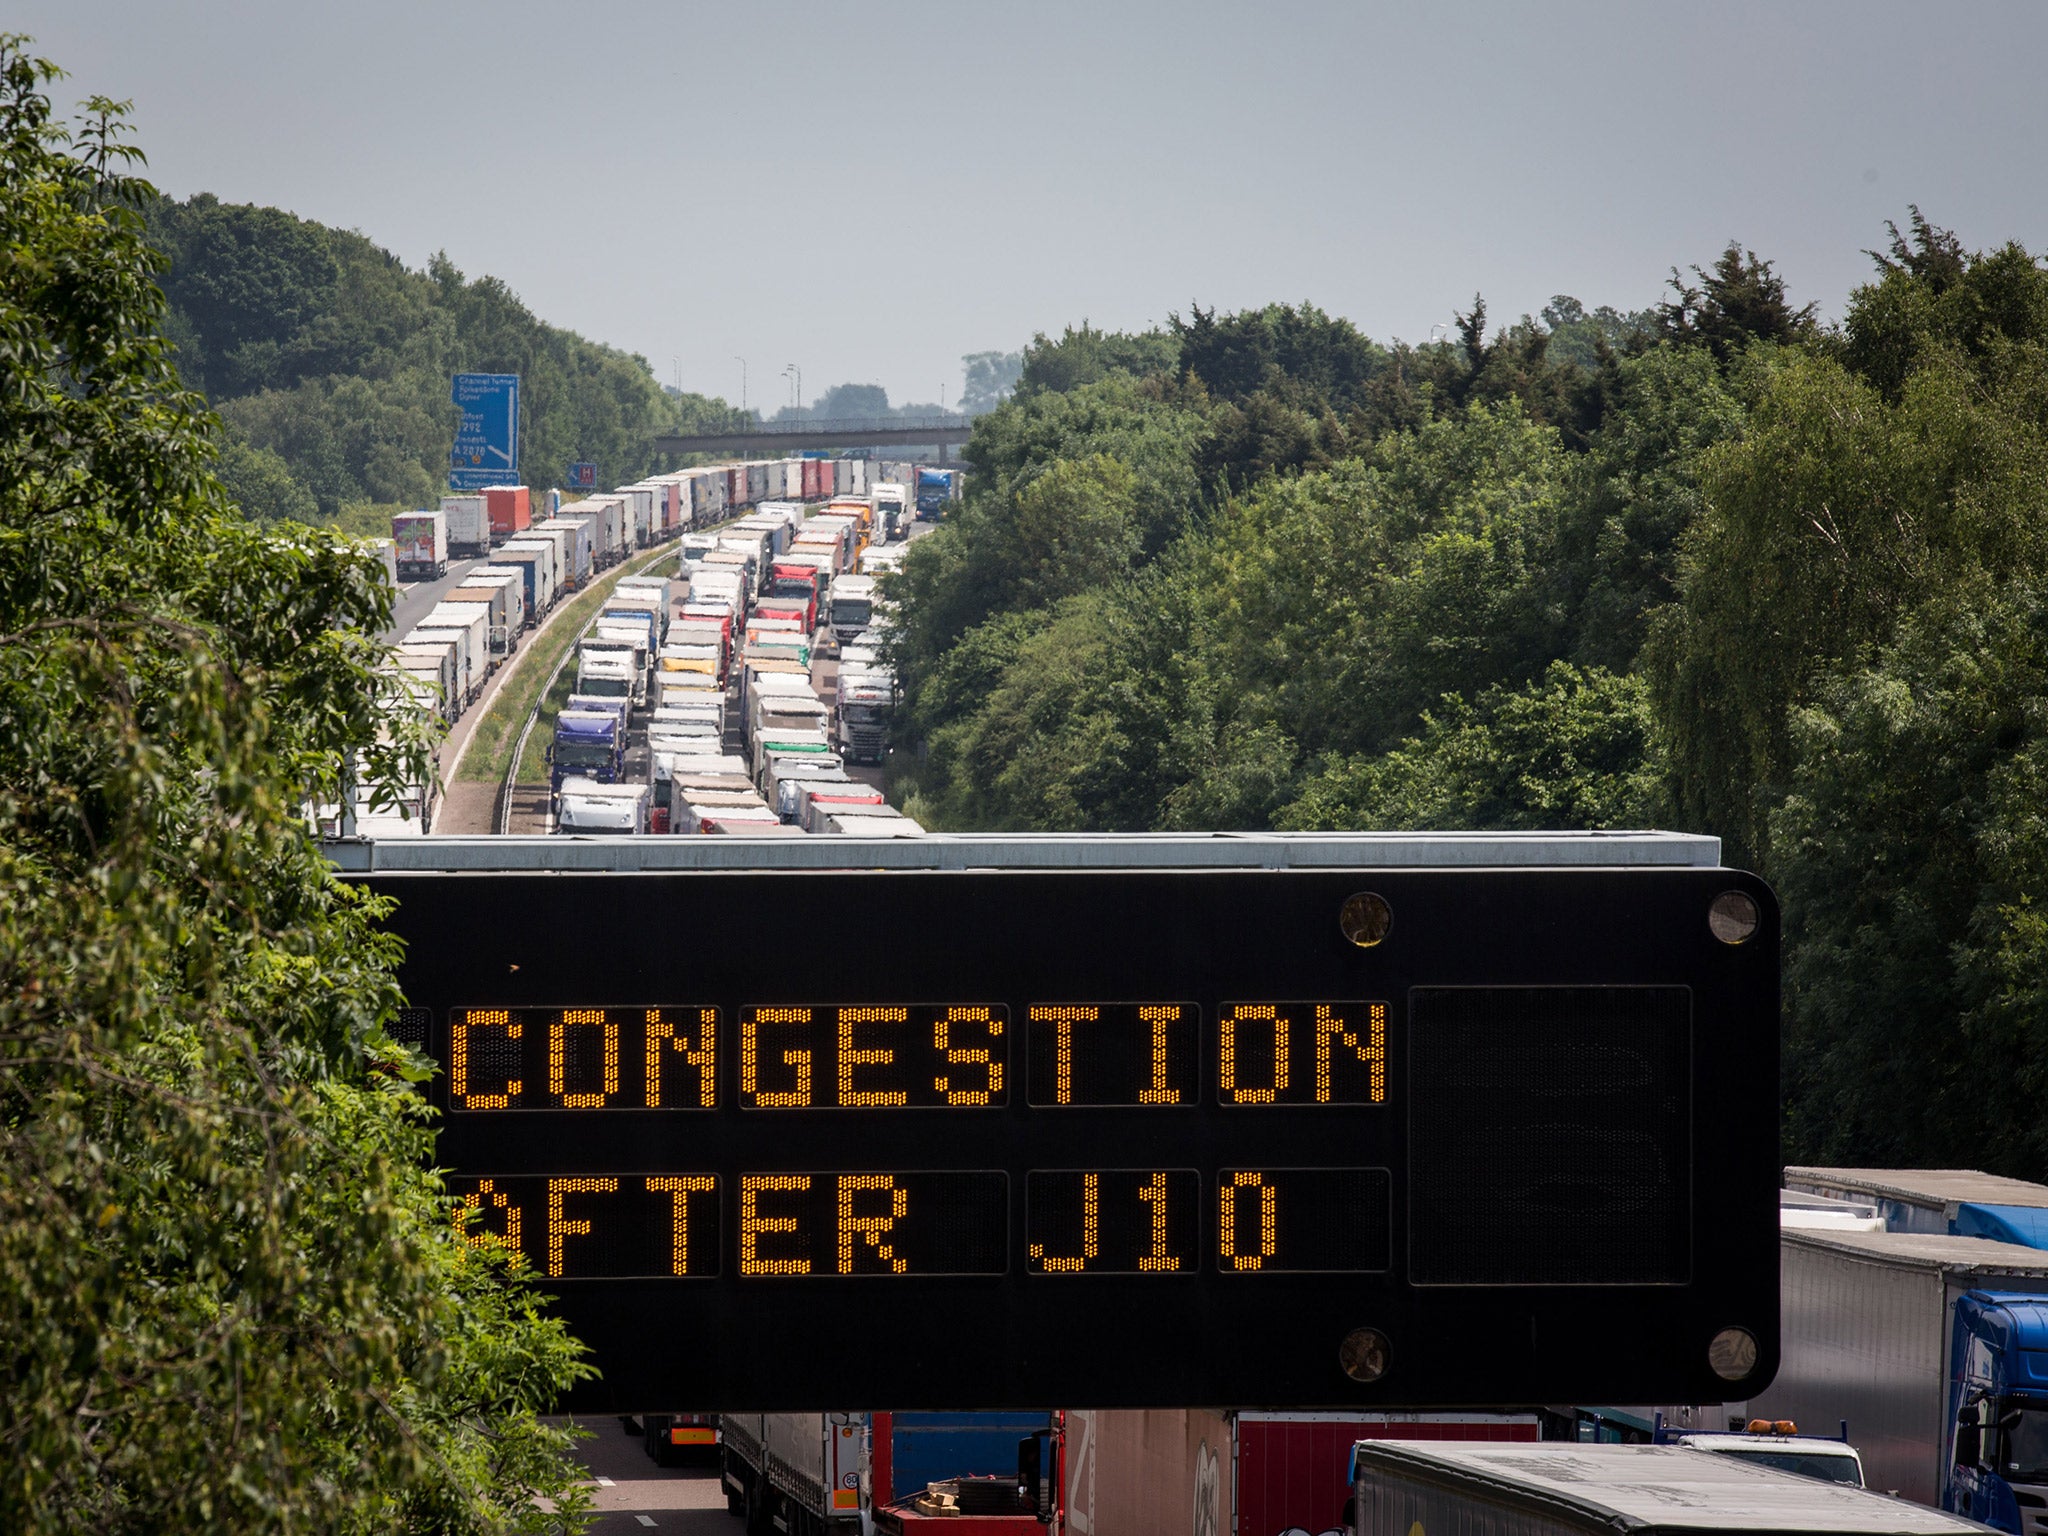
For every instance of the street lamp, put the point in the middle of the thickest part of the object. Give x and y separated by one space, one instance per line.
798 399
743 381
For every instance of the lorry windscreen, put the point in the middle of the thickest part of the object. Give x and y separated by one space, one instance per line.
583 754
851 611
2026 1445
604 687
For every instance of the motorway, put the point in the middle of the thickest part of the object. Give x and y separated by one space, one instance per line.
417 598
632 1494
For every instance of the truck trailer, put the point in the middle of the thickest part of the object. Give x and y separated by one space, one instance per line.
1610 1490
1935 1350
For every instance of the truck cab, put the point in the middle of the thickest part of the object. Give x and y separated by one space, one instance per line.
1832 1461
607 673
892 506
588 744
586 805
853 607
1998 1401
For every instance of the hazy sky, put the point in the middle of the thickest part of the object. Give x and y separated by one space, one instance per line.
871 190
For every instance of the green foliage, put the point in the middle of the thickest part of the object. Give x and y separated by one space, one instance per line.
1831 519
261 484
327 351
1636 491
1739 301
1911 859
232 1296
1931 296
1340 605
1706 565
1572 751
1236 356
1088 356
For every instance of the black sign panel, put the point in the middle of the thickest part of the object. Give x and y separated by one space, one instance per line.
986 1140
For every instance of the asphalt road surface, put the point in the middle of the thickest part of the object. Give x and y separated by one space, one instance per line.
632 1494
417 598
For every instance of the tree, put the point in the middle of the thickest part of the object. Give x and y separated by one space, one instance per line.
1087 356
232 1294
990 377
1740 301
261 484
1571 751
1833 517
1910 857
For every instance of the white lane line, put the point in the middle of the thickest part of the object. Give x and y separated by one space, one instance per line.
645 1519
605 1482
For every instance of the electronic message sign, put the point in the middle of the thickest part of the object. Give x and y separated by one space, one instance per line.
980 1139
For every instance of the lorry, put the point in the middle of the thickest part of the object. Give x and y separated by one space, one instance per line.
892 512
796 579
1400 1489
789 781
608 671
1934 1349
799 614
861 719
421 539
530 569
468 668
853 607
794 1472
821 801
923 1459
469 525
439 661
1956 1202
387 555
588 744
854 824
578 551
510 509
590 806
543 553
501 633
934 490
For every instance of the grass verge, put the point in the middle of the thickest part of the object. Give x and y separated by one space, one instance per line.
489 752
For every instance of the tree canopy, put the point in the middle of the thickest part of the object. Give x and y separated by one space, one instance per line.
1711 565
233 1296
327 353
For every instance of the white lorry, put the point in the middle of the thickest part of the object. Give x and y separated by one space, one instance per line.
793 1472
584 805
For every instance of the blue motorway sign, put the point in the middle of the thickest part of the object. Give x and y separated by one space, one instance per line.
486 448
582 477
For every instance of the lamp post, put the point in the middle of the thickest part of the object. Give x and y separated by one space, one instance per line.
743 381
798 399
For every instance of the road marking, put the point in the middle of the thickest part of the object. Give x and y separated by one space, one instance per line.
645 1519
605 1482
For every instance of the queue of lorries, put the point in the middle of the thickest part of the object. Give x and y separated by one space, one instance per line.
715 661
532 563
1914 1357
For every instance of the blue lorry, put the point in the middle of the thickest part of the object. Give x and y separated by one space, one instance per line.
934 490
1918 1313
588 743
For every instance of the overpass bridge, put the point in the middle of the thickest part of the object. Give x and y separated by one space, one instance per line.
788 437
